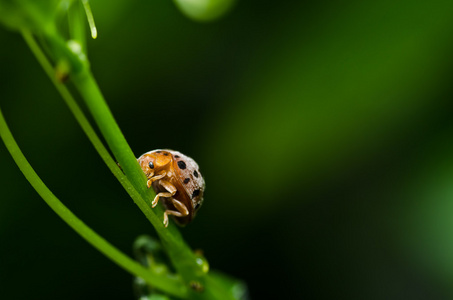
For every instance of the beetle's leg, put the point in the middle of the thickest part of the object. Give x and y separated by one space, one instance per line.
169 187
182 211
152 178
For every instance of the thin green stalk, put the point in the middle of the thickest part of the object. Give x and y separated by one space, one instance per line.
172 240
82 120
90 92
181 255
169 285
91 134
87 7
179 252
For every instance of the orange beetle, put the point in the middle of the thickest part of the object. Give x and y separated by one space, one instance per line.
177 180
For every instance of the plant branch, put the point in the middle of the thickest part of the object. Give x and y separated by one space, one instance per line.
181 255
179 252
88 129
170 236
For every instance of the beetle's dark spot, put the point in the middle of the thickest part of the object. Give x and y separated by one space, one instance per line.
181 165
195 173
195 193
197 206
186 180
177 156
166 154
158 151
151 165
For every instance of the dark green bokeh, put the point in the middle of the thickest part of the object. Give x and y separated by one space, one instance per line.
323 131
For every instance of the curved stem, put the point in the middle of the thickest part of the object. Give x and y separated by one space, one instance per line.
181 255
171 286
179 252
88 129
171 237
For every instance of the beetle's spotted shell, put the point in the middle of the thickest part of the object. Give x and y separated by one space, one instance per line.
183 172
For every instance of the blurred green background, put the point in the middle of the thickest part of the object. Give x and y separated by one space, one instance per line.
324 132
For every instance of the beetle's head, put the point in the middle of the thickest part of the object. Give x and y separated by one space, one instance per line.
155 161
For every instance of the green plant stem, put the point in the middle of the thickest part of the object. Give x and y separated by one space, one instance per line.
84 123
171 286
89 131
179 252
89 13
181 255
